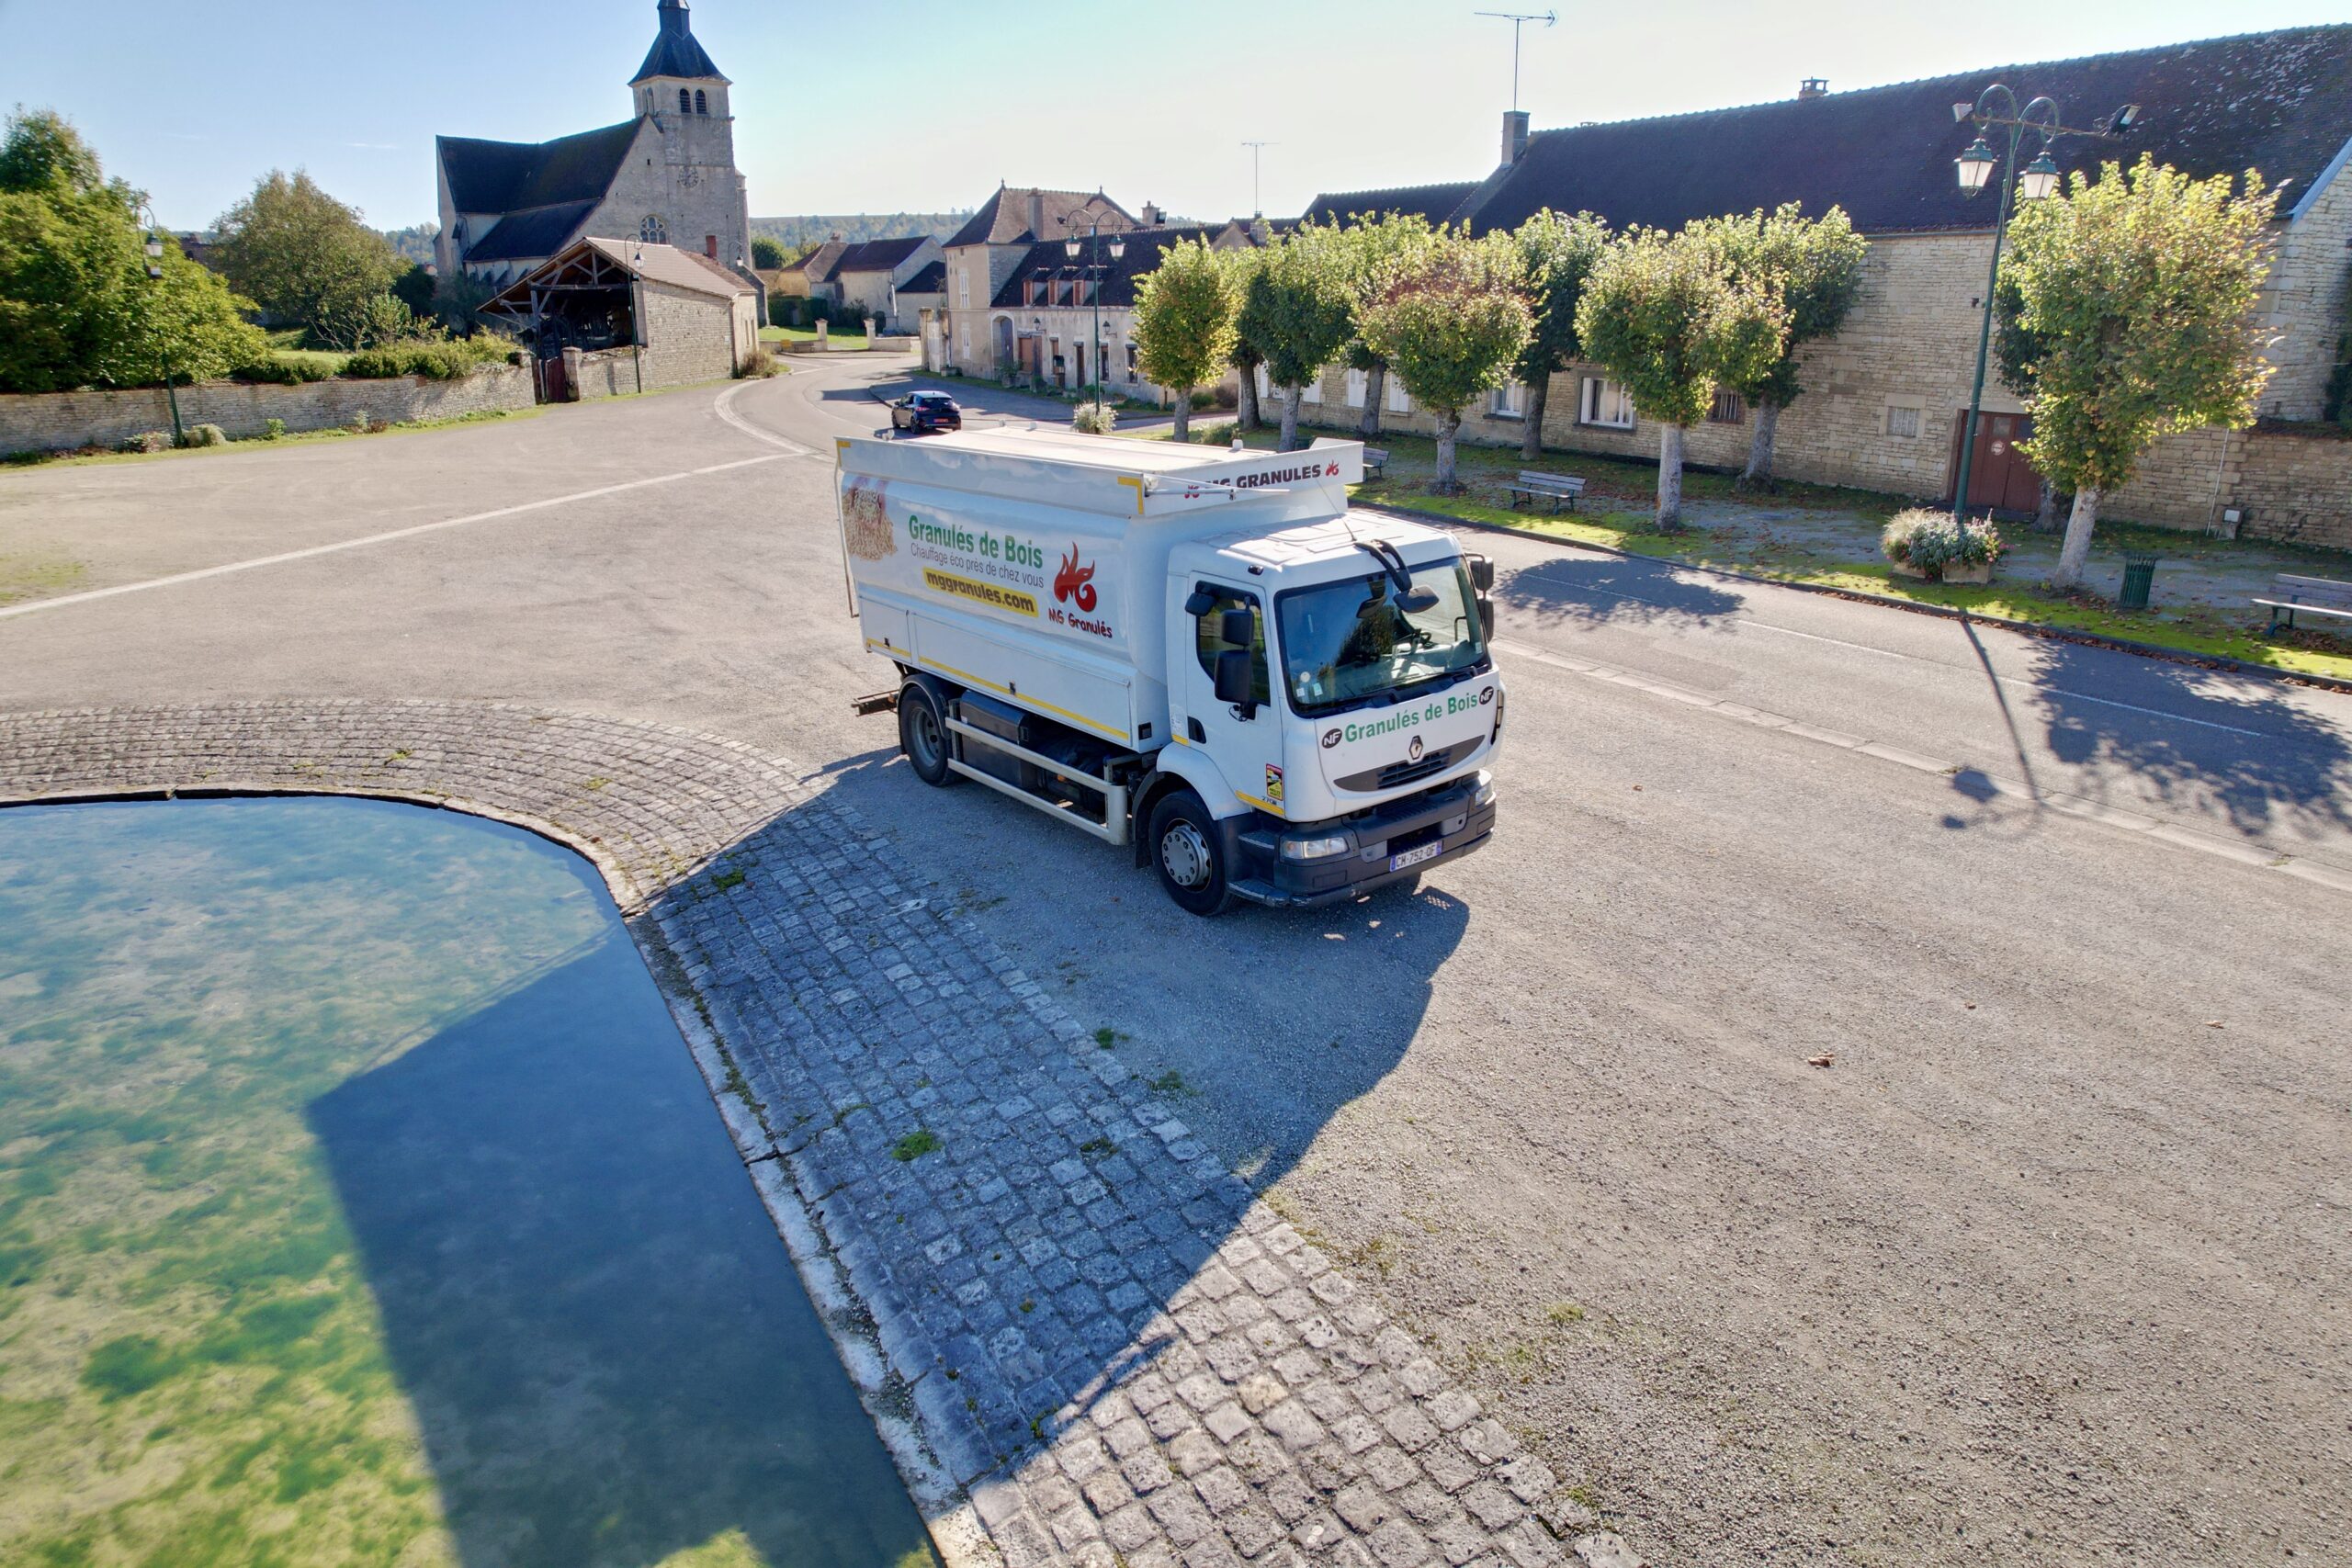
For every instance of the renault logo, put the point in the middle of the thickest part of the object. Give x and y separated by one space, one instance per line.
1413 752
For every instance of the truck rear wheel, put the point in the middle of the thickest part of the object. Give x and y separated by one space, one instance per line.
923 734
1186 847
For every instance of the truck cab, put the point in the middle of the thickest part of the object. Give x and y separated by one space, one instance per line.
1208 656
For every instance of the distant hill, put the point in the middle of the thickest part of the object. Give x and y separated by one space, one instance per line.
796 234
414 243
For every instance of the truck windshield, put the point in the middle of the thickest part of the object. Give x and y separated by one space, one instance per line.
1346 642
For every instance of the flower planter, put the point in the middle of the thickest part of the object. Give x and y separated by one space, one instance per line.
1981 572
1900 570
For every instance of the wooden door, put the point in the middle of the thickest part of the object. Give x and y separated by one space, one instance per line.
2000 478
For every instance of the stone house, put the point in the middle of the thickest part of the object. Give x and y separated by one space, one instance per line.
978 338
926 290
867 276
1046 305
1885 400
618 314
665 177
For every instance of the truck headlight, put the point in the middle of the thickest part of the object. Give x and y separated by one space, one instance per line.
1484 793
1314 849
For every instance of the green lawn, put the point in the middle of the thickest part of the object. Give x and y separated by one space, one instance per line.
836 337
287 346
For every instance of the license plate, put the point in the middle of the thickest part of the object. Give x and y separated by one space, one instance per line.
1414 857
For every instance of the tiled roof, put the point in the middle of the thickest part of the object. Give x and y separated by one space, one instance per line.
818 265
1435 203
1003 219
932 279
666 263
509 176
675 51
2279 102
878 256
1049 259
523 236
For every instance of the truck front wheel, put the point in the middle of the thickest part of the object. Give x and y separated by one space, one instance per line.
922 734
1185 846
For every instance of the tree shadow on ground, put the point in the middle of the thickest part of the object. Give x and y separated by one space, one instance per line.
2199 740
1616 592
607 1350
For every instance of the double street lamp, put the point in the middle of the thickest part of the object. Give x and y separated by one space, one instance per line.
2039 179
1093 243
154 238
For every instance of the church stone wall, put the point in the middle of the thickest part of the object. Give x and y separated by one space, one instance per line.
65 422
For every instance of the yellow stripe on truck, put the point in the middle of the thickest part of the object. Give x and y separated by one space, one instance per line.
971 680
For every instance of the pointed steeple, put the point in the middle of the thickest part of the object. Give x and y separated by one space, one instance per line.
675 51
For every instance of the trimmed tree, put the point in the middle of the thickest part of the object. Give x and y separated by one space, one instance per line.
1242 266
1814 266
1559 253
1375 249
2133 305
308 258
1184 328
1665 315
1452 325
767 255
1297 313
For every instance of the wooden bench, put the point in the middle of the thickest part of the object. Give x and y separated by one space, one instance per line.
2291 595
1376 463
1555 487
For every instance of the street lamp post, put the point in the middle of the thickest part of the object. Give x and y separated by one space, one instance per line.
154 238
1071 248
2040 180
637 314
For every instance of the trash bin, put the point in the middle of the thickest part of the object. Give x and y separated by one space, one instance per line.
2139 576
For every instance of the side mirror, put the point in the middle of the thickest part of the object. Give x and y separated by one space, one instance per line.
1482 574
1233 683
1487 616
1236 628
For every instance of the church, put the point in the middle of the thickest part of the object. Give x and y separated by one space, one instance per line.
666 176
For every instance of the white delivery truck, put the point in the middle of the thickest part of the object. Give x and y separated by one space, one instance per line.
1203 653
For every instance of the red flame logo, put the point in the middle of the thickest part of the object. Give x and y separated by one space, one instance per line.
1075 584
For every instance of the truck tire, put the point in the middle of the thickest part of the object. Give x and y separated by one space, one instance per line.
923 734
1187 850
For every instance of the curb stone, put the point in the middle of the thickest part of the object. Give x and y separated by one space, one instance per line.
1082 1339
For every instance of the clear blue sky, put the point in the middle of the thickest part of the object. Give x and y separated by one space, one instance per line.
924 105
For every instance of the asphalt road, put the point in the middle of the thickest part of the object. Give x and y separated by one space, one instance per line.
2049 1266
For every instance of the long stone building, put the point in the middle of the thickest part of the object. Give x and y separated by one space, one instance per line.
1885 400
666 176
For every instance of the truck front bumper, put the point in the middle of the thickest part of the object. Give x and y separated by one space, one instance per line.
1450 818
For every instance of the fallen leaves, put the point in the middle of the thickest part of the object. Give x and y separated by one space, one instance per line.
1826 1059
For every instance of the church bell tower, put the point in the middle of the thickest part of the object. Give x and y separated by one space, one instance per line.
682 92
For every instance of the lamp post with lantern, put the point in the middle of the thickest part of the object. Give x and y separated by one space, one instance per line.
1997 106
154 239
1093 243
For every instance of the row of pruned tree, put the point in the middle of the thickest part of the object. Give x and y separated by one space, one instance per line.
1671 317
2126 311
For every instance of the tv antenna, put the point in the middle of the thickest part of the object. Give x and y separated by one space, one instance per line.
1519 19
1257 204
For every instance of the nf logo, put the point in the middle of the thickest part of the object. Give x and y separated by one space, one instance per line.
1413 752
1074 584
1331 739
1485 696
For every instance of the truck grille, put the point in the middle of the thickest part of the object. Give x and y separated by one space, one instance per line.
1397 774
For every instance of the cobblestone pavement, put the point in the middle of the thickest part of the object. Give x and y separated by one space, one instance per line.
1084 1338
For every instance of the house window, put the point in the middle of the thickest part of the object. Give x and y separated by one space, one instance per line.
1265 385
653 230
1398 400
1313 391
1035 292
963 288
1903 420
1508 401
701 103
1605 403
1131 362
1359 384
1729 408
685 101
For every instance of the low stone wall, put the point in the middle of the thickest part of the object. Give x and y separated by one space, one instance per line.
63 422
2295 485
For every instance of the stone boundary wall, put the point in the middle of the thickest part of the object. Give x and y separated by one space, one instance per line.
65 422
1083 1339
2295 486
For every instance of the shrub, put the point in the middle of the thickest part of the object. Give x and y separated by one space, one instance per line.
204 436
1226 397
1930 541
1205 398
148 441
1218 435
438 360
761 363
282 372
273 430
1095 419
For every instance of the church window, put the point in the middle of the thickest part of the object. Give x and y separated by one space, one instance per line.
702 102
653 231
685 101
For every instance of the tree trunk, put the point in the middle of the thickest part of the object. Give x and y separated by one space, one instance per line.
1530 440
2076 553
2045 512
1183 431
1289 442
1449 421
1376 387
1245 407
1758 473
1669 479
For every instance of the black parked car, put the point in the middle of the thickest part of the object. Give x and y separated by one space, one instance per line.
926 414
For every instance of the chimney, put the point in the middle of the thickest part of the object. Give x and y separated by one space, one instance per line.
1037 213
1812 87
1514 136
1152 215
